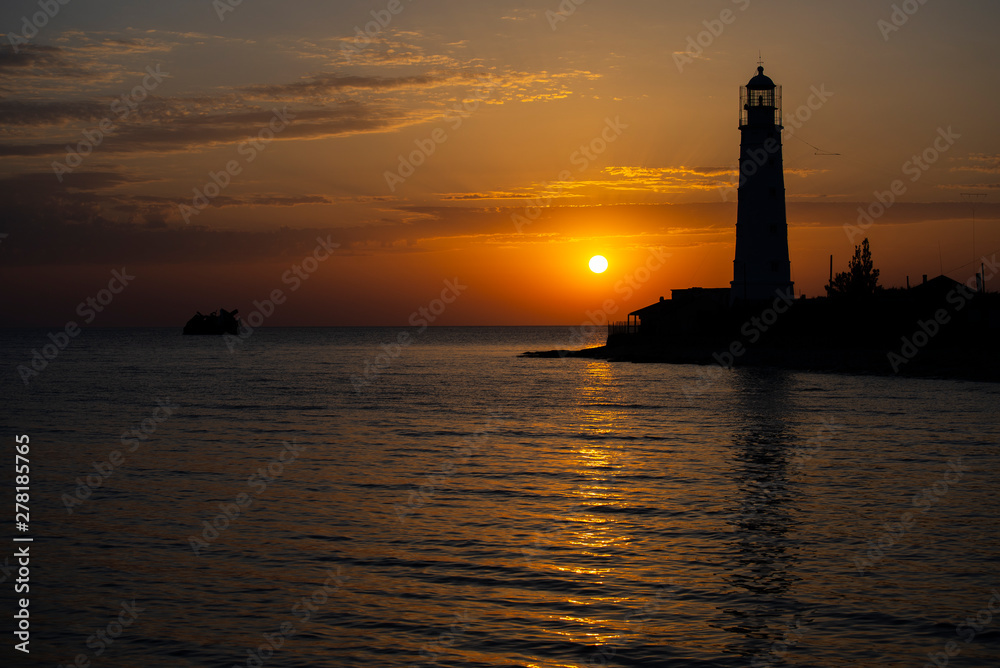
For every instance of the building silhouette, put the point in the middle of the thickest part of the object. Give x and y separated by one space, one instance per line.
761 267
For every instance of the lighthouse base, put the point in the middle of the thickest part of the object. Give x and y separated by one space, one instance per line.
744 293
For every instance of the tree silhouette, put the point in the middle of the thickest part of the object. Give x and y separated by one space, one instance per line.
860 279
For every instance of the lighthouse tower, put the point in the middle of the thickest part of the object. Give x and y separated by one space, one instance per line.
761 268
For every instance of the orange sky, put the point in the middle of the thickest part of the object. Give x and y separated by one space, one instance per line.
540 139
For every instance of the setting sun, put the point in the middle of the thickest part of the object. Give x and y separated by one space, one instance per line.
598 264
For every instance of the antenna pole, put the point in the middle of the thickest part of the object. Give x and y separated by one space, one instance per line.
974 199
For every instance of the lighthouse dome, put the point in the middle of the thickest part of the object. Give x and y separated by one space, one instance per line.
761 82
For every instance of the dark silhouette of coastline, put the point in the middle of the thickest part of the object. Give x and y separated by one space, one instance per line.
940 328
216 323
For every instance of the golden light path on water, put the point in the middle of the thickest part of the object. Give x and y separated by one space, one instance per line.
486 509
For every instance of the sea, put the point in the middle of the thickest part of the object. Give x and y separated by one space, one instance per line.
394 497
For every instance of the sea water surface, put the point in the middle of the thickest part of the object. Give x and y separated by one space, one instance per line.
196 506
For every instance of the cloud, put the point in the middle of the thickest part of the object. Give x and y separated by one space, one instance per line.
143 202
804 173
108 45
980 162
95 218
40 185
38 66
30 56
58 92
521 14
70 68
54 112
52 223
321 85
645 172
496 194
969 186
43 118
390 47
187 132
641 181
674 179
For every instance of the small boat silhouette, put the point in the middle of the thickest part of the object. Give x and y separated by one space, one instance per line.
217 322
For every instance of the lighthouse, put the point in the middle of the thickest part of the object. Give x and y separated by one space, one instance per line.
761 268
